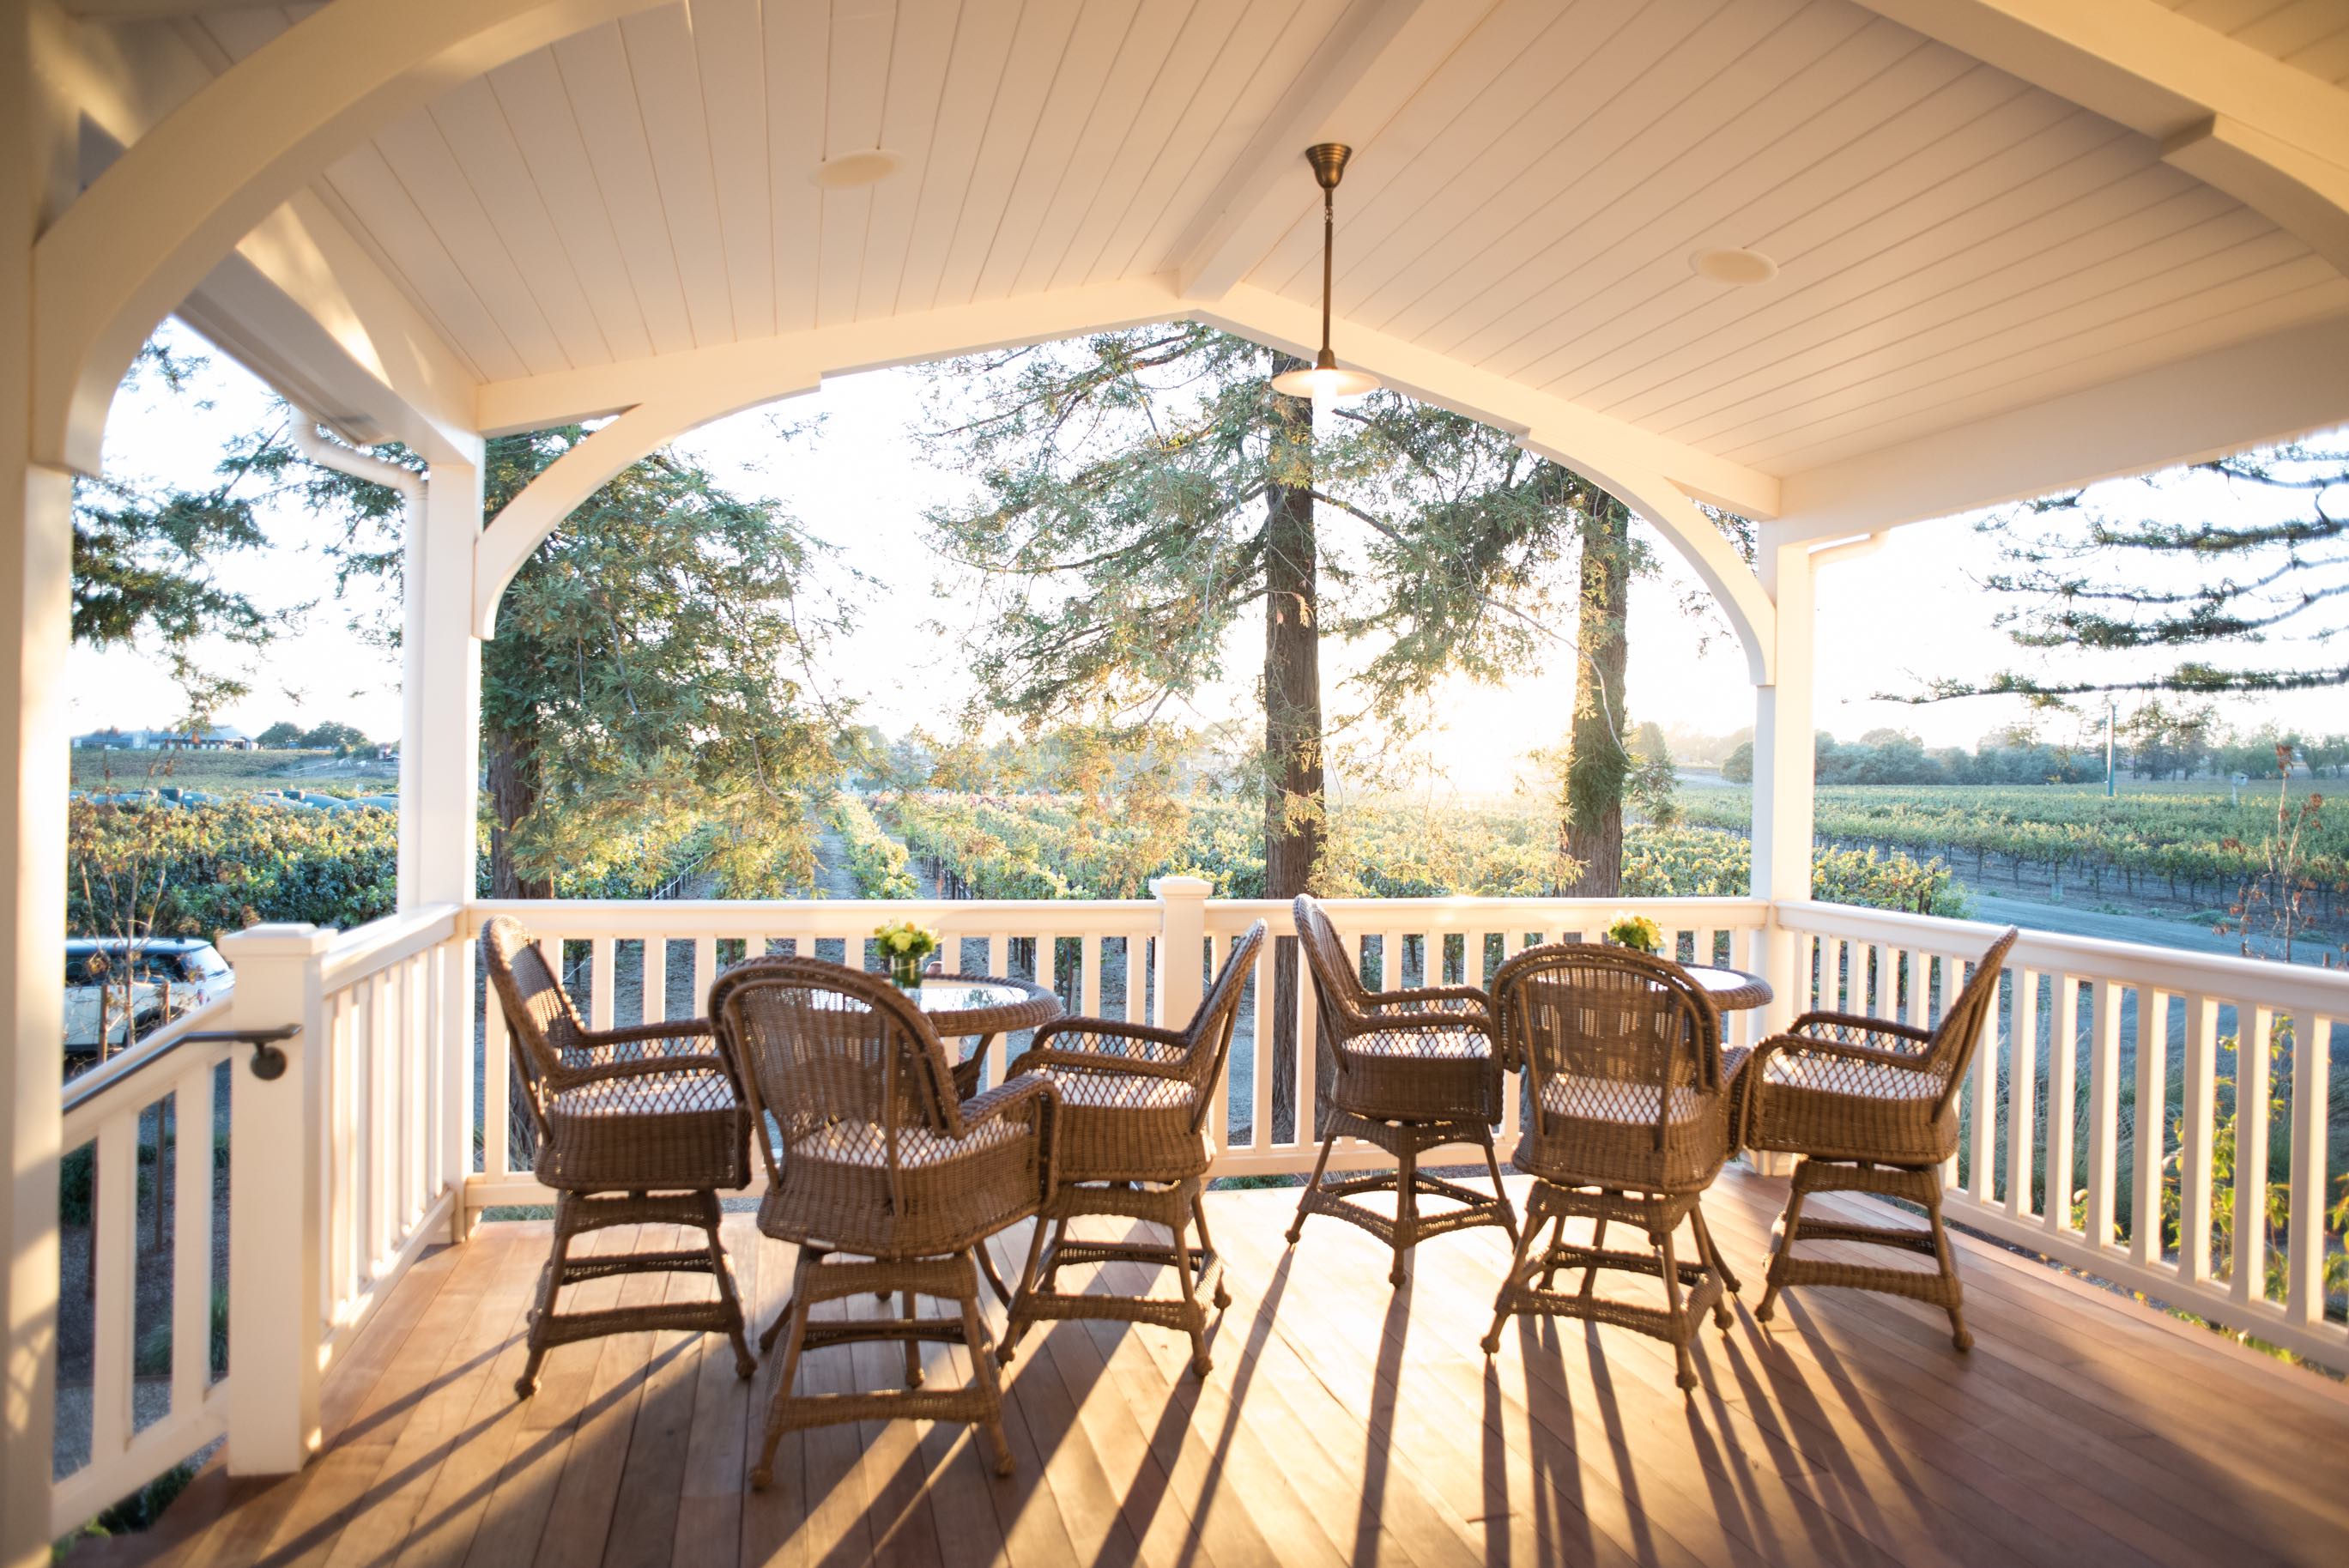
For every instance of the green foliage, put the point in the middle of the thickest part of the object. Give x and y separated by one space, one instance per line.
1738 768
1053 846
145 559
2194 836
875 860
280 736
334 735
196 870
652 676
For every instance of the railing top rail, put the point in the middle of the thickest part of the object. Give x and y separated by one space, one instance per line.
90 1098
1462 912
369 949
2295 987
825 917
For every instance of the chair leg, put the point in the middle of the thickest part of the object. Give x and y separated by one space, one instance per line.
1788 1231
1519 1270
550 1285
768 1337
1713 1260
1406 1227
1508 1210
913 1347
1597 1244
1678 1311
1201 1365
796 1314
1304 1200
1208 1242
1949 1265
982 1368
1016 1322
745 1364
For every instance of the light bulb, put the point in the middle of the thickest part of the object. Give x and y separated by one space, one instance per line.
1325 382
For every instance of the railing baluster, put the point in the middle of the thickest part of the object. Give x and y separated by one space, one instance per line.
2021 1090
114 1244
654 985
2196 1132
1260 1071
2104 1111
599 982
191 1240
2252 1024
2062 1098
496 1141
704 973
2152 1116
1982 1155
2310 1084
1092 976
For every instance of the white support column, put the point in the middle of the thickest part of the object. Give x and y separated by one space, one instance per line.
440 744
36 593
1182 946
275 1317
1784 759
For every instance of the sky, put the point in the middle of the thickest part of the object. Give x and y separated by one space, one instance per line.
860 482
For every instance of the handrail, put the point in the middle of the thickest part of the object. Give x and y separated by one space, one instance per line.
2173 969
102 1081
379 944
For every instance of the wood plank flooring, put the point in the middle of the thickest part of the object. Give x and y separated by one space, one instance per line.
1344 1422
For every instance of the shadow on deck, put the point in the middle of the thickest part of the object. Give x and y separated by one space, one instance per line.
1343 1422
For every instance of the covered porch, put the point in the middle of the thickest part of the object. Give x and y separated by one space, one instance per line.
1343 1423
2018 247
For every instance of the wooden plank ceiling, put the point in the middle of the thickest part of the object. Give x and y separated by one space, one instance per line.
1951 242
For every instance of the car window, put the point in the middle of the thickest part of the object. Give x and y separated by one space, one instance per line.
205 962
83 969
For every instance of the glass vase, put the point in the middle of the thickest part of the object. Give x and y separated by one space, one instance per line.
906 970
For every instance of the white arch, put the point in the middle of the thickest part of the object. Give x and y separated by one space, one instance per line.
134 244
664 398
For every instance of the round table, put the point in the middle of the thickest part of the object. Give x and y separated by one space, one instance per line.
979 1007
1732 990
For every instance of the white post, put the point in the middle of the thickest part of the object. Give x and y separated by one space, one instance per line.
35 592
276 1318
439 747
1182 946
1784 747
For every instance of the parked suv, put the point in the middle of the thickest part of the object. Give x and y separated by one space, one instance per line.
169 975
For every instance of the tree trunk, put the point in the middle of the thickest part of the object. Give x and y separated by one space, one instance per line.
513 792
1293 822
1597 764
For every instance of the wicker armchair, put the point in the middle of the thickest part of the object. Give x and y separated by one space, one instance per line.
1871 1105
884 1178
635 1127
1133 1145
1630 1117
1408 1071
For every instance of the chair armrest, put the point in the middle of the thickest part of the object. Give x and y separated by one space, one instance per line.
1104 1062
641 1067
637 1034
1469 995
1391 1022
1010 1099
1810 1046
1844 1024
1169 1053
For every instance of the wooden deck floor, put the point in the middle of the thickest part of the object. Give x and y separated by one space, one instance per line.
1344 1422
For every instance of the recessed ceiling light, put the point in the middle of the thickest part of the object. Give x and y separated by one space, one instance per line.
1724 266
851 169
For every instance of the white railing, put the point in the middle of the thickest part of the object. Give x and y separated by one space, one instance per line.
342 1166
2109 1120
153 1105
1104 958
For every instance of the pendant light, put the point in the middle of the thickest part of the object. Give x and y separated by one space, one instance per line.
1325 380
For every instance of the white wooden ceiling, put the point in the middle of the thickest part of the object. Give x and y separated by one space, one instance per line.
1952 242
2312 34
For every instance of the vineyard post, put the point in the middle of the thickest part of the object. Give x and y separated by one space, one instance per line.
1182 939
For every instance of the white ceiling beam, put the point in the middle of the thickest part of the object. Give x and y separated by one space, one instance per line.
1378 54
2269 390
148 230
2274 137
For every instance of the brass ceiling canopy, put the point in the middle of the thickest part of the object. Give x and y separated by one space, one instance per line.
1325 380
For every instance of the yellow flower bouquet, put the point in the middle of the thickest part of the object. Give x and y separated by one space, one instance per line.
1636 931
906 944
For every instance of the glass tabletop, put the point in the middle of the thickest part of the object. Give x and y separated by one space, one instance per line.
954 994
1714 978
